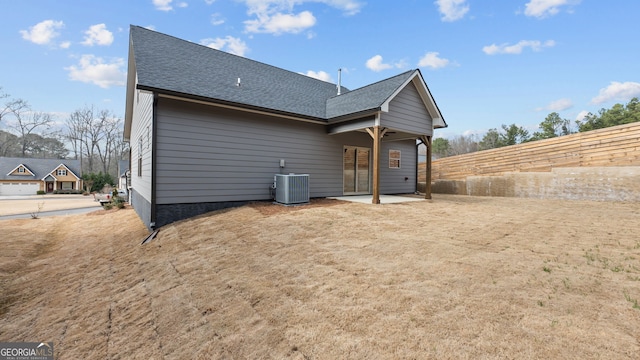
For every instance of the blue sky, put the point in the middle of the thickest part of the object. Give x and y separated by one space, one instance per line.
486 62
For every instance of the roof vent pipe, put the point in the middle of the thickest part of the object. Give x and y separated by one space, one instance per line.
339 80
238 83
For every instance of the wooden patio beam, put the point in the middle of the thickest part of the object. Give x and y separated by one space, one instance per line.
376 134
427 190
376 165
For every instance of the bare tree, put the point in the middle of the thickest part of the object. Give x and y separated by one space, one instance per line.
25 121
95 138
5 108
463 144
76 133
106 148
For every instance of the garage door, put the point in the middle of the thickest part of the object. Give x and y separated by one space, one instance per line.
19 188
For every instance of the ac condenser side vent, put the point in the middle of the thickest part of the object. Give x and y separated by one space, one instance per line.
292 188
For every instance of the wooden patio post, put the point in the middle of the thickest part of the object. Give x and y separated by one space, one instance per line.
427 190
376 165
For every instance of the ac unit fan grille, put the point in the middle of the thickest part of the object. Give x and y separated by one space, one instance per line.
292 188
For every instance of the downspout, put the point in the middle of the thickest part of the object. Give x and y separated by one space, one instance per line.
154 127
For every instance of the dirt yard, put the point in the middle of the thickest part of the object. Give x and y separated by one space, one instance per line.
450 278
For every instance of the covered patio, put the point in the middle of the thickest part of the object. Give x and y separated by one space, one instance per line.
384 199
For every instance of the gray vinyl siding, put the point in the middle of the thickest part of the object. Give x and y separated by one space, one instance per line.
143 115
211 154
407 113
392 181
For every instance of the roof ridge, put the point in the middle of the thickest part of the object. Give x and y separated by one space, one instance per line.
375 83
237 56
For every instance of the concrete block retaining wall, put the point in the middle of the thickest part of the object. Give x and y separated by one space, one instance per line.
575 183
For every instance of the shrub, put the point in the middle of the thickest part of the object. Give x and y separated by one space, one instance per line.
67 191
40 192
95 182
108 206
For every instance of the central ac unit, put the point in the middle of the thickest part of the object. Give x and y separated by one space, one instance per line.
292 188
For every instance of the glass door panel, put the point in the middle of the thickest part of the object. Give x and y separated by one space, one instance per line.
356 170
363 171
349 169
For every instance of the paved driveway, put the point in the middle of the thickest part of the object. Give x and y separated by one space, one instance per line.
17 205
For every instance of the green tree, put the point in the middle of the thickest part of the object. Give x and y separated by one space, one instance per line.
618 115
490 140
552 126
97 181
513 135
440 147
9 144
46 147
510 135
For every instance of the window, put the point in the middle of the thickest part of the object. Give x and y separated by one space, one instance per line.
394 159
140 156
20 170
67 185
61 172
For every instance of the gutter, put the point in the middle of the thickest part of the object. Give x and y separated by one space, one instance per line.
231 105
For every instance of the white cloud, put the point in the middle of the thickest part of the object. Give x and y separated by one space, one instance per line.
209 2
350 7
320 75
94 70
558 105
166 5
581 115
617 91
98 35
65 44
544 8
217 19
535 45
432 60
278 16
163 5
229 44
280 23
452 10
43 32
376 64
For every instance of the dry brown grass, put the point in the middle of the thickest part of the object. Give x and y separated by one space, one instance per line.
455 277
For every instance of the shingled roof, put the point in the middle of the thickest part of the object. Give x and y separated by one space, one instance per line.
39 167
166 64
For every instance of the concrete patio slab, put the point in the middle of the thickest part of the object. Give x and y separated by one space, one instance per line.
384 199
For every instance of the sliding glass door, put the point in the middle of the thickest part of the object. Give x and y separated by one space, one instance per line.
356 170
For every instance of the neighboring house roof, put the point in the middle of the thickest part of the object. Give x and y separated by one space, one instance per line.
172 66
40 168
26 170
123 167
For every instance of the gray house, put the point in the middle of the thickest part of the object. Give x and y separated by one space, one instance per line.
209 130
